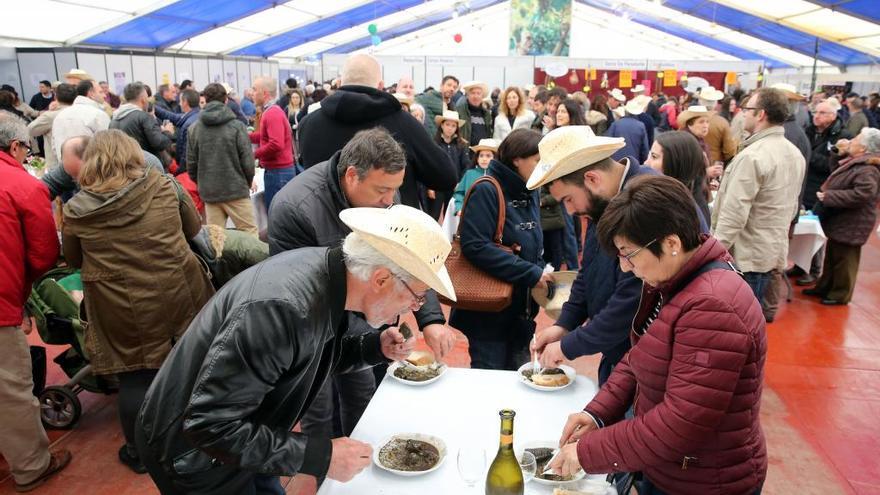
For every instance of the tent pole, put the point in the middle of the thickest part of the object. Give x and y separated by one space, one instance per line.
815 61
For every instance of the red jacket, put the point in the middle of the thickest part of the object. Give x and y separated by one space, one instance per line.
28 239
274 139
695 378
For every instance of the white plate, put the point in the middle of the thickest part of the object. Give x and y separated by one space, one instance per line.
436 442
549 445
393 366
569 372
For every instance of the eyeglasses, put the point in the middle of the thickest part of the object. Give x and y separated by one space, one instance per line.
421 300
754 109
630 256
25 145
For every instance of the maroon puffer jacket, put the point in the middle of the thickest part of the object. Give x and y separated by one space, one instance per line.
695 378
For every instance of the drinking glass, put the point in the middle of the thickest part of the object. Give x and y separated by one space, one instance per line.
528 465
471 465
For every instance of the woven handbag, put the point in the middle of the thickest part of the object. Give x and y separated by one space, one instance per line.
475 289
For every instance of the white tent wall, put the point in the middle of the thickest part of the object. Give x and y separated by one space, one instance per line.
25 68
515 71
35 67
119 72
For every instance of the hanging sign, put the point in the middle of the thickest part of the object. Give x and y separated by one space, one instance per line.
730 78
669 78
625 79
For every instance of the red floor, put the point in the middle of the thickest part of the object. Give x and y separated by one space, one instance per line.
821 407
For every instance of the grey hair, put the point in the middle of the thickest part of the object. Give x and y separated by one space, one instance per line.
12 129
870 139
362 259
268 83
371 149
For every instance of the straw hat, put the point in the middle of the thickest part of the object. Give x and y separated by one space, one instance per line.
486 145
79 74
637 105
448 115
475 84
229 89
617 94
640 88
690 113
710 94
567 149
408 237
560 292
790 91
404 99
835 103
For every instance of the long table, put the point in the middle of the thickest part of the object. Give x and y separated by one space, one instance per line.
462 409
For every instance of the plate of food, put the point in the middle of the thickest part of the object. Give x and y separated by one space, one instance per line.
549 379
544 452
418 369
410 454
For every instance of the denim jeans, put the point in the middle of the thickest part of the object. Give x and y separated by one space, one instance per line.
648 488
758 282
572 242
274 179
265 484
497 354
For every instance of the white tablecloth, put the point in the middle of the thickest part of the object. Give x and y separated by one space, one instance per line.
462 409
807 240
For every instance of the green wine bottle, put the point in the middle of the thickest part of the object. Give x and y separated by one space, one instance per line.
505 475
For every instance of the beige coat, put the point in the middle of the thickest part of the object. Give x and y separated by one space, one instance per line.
142 283
757 200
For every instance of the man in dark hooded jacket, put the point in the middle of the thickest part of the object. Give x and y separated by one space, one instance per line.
358 105
132 118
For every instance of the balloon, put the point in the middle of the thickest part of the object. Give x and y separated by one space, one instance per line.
457 37
373 29
375 40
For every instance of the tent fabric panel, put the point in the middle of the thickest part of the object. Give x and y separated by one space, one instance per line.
176 22
324 27
777 34
410 27
866 9
689 35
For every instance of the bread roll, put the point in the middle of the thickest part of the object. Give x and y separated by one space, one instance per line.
421 358
550 380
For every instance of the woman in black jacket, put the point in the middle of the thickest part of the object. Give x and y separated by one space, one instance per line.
501 340
449 139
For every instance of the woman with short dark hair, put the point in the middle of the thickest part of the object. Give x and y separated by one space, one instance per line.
501 340
695 372
677 154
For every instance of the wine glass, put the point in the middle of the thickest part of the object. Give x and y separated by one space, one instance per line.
528 465
471 465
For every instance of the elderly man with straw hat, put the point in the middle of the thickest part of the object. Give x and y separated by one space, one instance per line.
477 115
581 174
220 412
720 141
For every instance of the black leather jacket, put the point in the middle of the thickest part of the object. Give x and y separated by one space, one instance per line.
306 213
223 404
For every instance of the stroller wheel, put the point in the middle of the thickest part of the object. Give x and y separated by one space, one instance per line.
59 407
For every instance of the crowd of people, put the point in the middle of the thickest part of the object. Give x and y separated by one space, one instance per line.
224 333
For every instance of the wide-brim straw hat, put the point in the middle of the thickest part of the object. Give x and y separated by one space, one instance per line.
79 74
475 84
694 111
790 91
408 237
562 282
640 88
448 115
637 105
711 94
618 95
404 99
486 145
567 149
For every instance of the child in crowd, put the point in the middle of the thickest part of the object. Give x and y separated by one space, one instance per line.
484 152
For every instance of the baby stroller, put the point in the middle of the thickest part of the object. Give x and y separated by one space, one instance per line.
61 320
